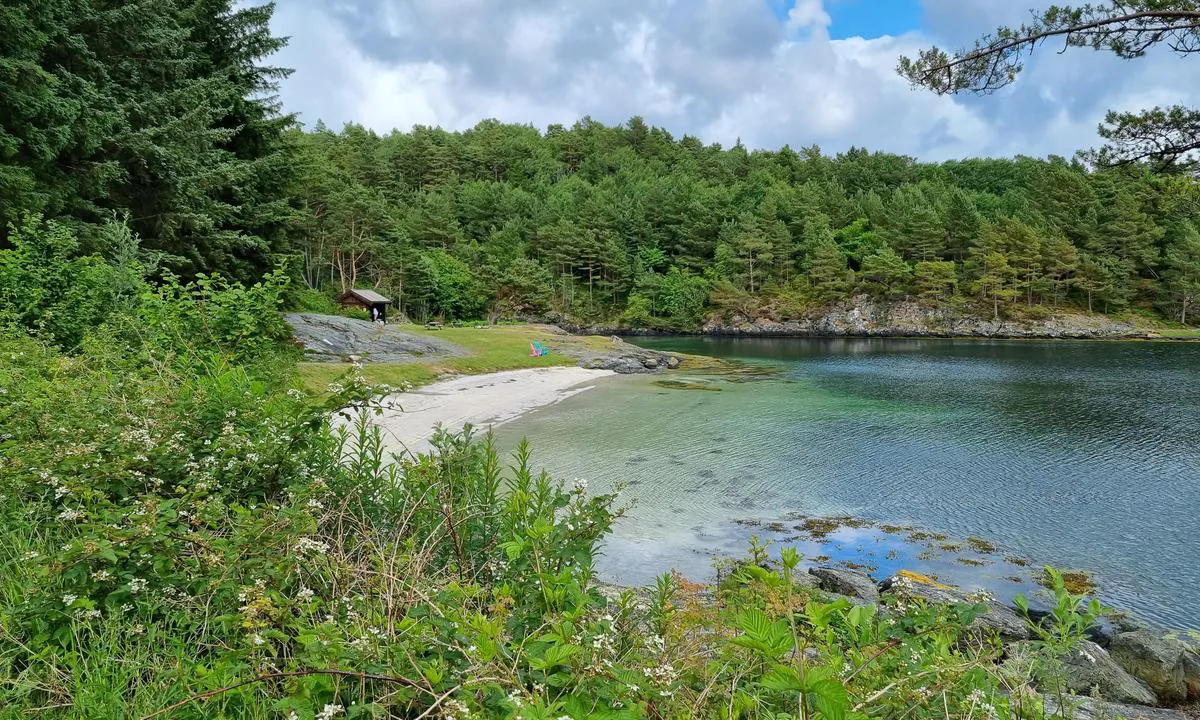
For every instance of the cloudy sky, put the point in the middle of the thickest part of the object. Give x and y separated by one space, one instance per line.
769 72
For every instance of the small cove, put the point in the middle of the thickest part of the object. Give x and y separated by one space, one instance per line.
1080 454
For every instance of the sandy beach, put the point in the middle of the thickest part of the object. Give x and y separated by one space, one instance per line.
483 401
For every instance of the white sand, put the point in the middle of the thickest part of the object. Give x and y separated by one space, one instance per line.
483 401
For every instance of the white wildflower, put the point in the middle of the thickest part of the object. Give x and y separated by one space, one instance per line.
329 712
308 545
69 600
136 585
454 710
304 595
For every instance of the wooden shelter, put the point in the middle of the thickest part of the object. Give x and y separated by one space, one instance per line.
369 300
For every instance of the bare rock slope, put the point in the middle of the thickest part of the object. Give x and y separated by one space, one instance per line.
332 338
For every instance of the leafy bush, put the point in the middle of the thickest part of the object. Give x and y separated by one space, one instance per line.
183 533
313 301
46 287
216 544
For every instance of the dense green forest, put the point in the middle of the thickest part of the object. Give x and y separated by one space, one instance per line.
596 221
165 119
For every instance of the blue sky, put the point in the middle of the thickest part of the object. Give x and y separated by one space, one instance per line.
770 72
864 18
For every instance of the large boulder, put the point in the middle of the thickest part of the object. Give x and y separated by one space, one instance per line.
997 617
1191 674
1155 660
846 582
1089 669
1086 708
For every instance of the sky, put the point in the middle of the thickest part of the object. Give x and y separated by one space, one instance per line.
765 72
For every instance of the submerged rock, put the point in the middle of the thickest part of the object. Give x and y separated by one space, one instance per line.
846 582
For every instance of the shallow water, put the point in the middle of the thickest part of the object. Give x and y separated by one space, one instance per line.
1080 454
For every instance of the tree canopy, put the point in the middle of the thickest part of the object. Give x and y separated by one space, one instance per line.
1167 138
159 112
628 222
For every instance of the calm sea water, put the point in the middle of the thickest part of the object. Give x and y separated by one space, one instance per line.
1078 454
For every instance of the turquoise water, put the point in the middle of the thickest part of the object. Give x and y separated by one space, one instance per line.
1079 454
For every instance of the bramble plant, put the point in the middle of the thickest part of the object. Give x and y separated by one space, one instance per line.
184 533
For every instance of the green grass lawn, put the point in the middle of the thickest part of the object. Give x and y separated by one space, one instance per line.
1180 333
489 349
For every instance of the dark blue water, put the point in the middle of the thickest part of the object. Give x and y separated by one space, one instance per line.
1079 454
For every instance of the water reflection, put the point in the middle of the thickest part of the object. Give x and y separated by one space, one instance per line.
1079 454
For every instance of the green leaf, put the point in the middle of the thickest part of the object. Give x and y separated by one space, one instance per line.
782 678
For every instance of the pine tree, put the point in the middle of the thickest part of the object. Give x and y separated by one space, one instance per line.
962 222
827 271
1182 273
1059 263
913 227
995 281
885 274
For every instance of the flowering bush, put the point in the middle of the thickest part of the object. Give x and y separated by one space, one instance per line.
210 544
185 534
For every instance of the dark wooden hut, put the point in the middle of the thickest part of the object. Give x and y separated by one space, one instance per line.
375 304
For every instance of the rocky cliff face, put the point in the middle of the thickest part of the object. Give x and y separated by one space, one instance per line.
864 317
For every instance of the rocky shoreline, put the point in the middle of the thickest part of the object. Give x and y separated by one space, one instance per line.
1124 669
864 316
338 339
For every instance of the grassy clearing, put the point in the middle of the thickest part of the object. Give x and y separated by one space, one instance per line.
489 349
1180 333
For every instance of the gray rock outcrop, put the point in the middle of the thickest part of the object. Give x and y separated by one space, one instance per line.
1000 618
1191 674
1153 659
1090 669
863 316
1075 707
333 338
846 582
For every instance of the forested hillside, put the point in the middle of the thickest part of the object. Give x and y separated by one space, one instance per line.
165 118
600 222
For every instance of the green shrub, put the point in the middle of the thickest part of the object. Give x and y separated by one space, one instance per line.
216 541
184 534
50 290
311 300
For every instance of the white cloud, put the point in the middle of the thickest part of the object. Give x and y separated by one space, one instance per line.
718 69
808 14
